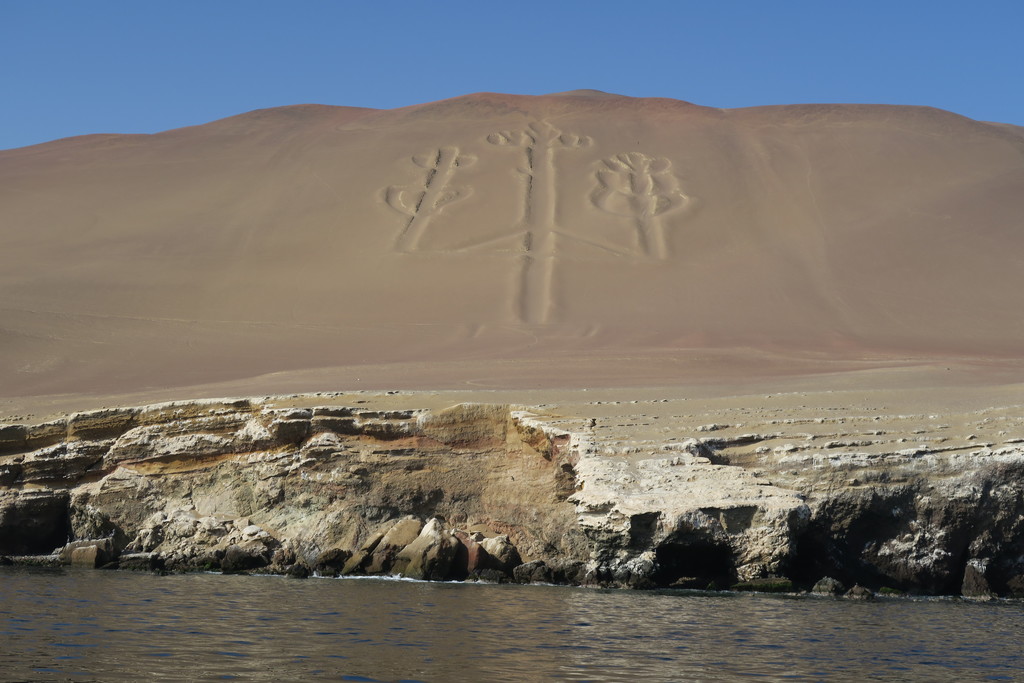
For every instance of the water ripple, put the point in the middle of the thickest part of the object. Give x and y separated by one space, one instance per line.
123 626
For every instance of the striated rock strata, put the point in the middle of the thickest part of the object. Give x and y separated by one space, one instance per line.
493 492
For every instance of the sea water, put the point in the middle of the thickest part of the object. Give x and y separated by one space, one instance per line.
99 625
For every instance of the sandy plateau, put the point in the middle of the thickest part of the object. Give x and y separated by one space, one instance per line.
577 338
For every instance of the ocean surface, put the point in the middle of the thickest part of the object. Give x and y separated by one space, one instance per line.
105 626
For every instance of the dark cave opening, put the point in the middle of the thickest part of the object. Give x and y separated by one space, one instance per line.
695 564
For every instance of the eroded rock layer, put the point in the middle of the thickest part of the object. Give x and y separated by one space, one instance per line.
498 492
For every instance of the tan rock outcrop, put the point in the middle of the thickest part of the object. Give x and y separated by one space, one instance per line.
474 491
384 556
429 556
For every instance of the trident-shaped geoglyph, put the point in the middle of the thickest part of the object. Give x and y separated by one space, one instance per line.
643 188
633 185
423 201
539 141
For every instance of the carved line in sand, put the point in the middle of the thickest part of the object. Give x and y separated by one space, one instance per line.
631 184
642 188
539 141
423 201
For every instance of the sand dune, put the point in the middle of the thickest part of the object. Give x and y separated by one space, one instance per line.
590 237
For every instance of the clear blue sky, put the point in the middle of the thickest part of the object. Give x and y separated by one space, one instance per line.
139 66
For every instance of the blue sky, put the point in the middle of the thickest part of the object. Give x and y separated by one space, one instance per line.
75 67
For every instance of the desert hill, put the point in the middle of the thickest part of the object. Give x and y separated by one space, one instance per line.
648 343
468 239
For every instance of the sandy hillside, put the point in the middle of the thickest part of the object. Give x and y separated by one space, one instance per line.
489 241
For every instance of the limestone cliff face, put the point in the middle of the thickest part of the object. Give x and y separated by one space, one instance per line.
496 493
189 481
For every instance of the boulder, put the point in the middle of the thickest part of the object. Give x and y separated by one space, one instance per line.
242 558
141 562
572 572
206 560
88 553
859 592
429 557
828 586
401 534
88 521
297 571
470 556
596 576
503 556
89 557
332 561
284 556
360 557
533 572
975 585
638 572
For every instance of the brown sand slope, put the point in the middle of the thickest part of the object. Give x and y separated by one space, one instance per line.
580 238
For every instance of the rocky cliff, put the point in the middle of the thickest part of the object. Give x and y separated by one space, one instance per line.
210 484
496 492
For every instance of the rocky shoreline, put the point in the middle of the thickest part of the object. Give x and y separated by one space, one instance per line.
322 485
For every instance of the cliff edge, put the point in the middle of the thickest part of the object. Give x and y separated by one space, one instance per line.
925 504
